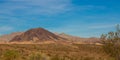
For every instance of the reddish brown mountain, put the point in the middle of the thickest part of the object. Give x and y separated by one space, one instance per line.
37 34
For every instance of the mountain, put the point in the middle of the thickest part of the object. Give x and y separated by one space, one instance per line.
69 37
40 34
79 39
8 37
35 35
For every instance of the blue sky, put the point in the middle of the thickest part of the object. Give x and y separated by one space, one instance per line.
84 18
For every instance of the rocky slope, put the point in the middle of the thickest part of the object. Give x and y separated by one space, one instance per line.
35 35
8 37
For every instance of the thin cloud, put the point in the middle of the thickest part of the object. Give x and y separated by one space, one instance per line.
41 7
89 7
5 28
101 26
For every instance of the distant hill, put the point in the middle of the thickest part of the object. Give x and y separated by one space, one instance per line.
8 37
36 35
78 39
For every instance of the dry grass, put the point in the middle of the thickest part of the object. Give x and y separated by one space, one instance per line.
55 52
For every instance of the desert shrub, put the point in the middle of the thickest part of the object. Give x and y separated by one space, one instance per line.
0 52
38 56
56 57
11 55
111 43
88 58
55 52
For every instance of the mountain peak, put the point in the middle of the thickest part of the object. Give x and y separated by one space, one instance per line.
39 28
36 34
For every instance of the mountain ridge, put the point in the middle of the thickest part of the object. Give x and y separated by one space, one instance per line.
37 34
34 35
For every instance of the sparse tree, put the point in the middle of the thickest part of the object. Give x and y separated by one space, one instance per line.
111 43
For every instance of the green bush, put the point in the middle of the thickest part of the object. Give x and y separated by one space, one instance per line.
11 55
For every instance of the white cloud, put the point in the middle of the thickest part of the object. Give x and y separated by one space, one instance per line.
42 7
30 7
